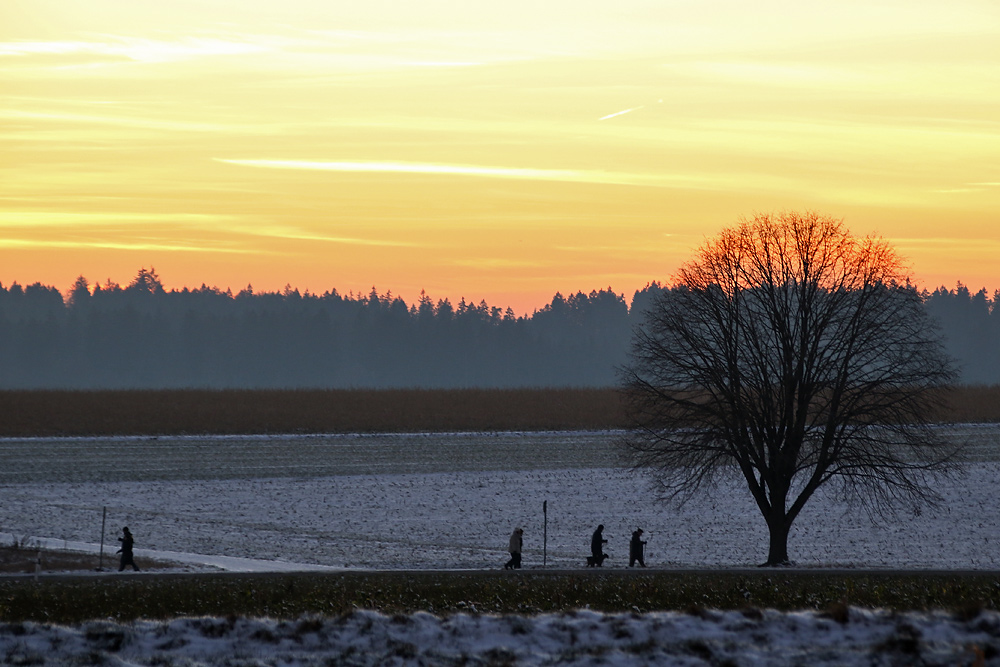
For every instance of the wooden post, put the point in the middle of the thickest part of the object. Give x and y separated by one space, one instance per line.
104 519
545 534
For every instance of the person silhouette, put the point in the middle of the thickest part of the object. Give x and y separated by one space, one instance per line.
126 550
636 546
514 547
597 543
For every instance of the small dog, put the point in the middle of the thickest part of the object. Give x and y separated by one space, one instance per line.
595 561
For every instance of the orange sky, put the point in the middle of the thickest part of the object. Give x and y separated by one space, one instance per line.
497 151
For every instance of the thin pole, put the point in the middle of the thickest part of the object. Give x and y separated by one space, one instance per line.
545 534
104 519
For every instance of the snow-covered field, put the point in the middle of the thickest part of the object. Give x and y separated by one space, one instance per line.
450 501
577 638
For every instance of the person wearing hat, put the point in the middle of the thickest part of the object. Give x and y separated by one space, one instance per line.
515 550
126 550
635 549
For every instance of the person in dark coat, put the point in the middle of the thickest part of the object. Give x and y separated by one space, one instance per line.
514 547
597 543
126 550
635 548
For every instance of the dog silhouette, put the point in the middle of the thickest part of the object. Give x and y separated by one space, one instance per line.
596 561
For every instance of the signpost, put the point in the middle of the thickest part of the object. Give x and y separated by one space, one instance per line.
545 533
104 518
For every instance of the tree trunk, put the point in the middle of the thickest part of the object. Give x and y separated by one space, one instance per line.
777 551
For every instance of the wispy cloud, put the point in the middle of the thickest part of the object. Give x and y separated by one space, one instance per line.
649 246
983 186
479 171
137 49
938 241
35 218
132 231
777 73
145 245
418 63
292 234
497 263
119 120
234 225
413 168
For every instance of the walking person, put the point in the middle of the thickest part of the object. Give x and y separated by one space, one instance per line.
514 547
597 543
126 550
636 546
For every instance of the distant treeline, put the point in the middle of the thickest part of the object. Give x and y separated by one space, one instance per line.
143 336
971 325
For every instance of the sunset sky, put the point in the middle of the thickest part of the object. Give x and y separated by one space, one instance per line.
492 150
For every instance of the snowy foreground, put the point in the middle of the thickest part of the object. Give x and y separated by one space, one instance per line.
576 638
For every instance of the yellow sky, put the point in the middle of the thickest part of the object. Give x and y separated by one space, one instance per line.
492 150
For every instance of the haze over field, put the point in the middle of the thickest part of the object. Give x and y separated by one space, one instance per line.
497 151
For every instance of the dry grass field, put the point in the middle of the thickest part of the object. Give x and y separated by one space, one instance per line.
973 404
174 412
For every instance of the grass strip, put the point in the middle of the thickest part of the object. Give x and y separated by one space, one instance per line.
124 598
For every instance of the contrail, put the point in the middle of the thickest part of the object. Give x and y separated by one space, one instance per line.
619 113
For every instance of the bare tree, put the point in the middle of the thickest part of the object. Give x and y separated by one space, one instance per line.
798 354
